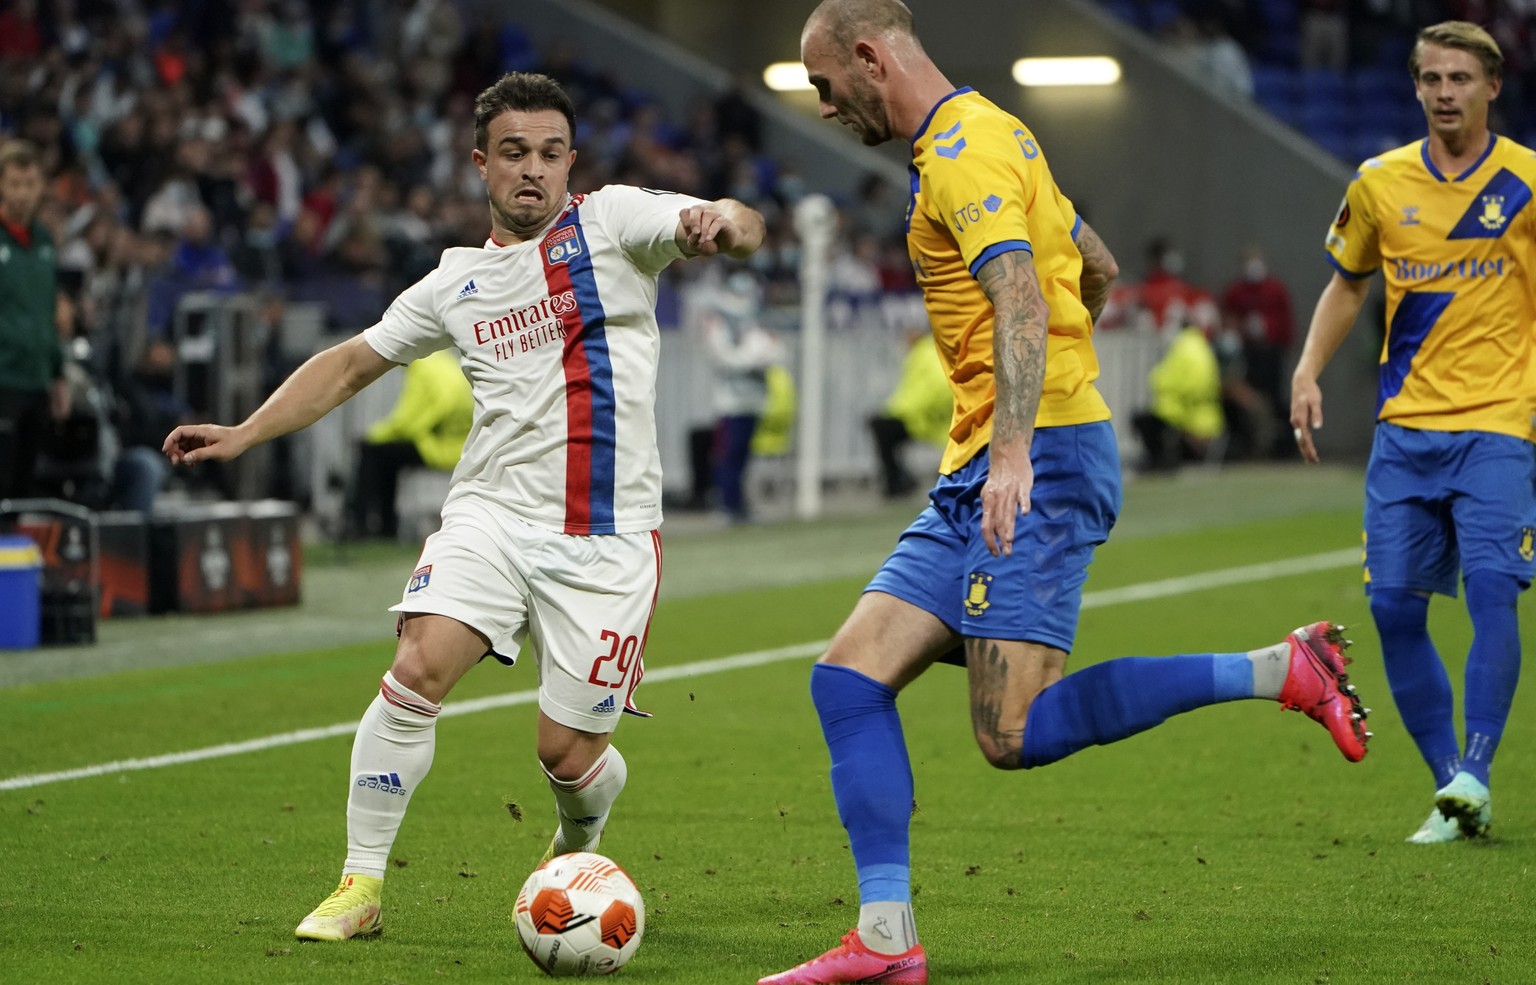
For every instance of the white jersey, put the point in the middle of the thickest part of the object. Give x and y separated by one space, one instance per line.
558 338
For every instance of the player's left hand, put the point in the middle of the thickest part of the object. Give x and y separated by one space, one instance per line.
1306 414
707 229
1005 496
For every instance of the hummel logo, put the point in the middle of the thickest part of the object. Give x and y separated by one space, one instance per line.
604 707
467 290
387 782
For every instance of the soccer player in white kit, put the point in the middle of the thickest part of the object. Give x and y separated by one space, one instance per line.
550 527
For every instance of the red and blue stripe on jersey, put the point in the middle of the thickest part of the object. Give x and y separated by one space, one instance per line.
590 401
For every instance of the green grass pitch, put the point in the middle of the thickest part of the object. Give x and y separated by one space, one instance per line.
1230 845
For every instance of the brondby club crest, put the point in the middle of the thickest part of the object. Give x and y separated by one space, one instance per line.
976 599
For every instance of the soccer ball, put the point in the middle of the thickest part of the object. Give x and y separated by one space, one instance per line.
579 914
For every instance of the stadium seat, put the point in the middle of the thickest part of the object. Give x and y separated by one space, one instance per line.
1336 140
1286 111
1375 83
1277 11
1393 53
1321 117
1125 10
1274 84
518 53
1323 86
1385 116
1368 143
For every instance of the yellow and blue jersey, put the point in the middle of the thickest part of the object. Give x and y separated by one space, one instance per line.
981 188
1459 257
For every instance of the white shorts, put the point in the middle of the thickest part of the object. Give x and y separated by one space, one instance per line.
584 602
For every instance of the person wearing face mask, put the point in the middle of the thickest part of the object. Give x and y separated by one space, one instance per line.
1256 307
1172 302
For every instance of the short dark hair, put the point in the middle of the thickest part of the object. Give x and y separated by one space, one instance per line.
524 91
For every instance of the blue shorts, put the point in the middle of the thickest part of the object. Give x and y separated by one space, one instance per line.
1436 501
941 563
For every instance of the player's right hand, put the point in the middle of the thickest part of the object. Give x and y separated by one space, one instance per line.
1306 414
193 443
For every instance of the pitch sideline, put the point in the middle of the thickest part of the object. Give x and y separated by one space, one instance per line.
1146 591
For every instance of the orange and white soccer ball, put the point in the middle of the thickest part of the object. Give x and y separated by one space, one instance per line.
579 914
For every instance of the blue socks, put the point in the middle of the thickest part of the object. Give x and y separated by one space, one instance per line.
1419 684
1493 666
1109 701
871 777
1421 687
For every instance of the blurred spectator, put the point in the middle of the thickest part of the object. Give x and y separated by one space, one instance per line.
1324 35
411 237
854 268
197 263
1257 307
735 116
774 433
20 34
32 387
1184 418
920 408
1250 419
877 211
425 429
322 153
742 352
256 257
1169 300
1224 64
100 455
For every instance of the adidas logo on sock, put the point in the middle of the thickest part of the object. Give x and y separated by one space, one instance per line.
387 782
467 290
605 706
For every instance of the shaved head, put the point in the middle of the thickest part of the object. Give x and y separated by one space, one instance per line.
869 69
845 21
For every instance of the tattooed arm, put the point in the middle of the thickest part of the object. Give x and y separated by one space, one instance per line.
1099 270
1018 355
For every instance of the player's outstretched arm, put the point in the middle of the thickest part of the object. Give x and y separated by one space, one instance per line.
722 226
1099 270
1337 308
325 381
1020 327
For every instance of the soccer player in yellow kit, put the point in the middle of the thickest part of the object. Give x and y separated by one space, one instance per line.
991 572
1449 222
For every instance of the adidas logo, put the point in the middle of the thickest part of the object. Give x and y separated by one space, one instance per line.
605 707
467 290
386 782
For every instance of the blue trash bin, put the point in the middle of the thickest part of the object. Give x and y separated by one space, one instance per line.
21 566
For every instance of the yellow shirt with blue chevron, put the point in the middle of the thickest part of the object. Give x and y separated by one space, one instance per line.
1459 257
981 188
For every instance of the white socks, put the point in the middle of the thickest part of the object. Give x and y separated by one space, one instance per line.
583 804
887 927
1270 667
390 757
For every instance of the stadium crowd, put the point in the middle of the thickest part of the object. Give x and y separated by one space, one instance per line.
320 152
309 152
1342 57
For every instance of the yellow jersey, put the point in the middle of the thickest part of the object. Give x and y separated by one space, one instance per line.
981 188
1459 257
